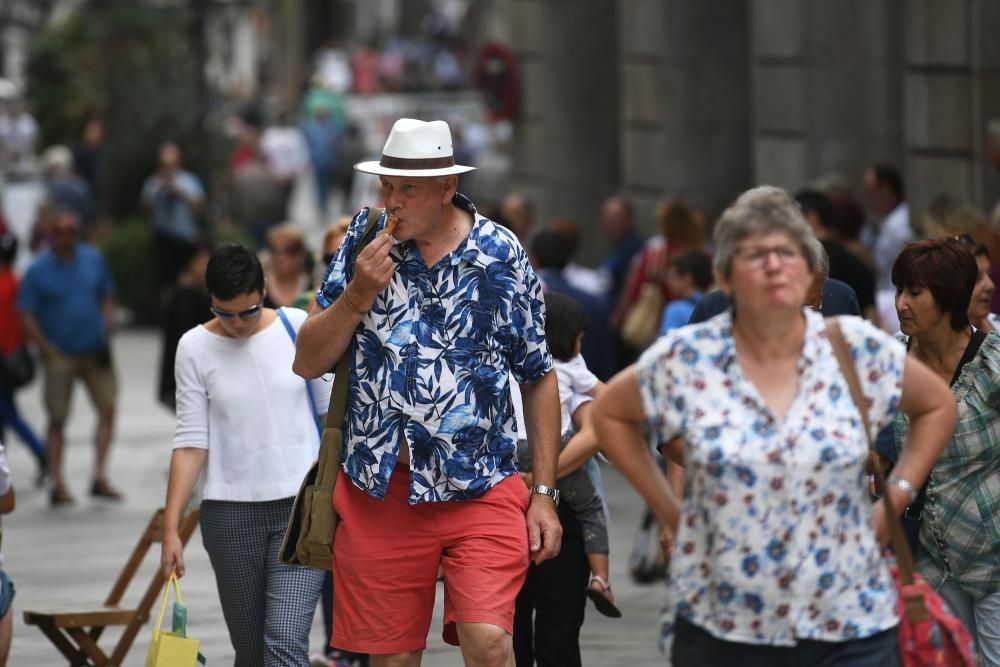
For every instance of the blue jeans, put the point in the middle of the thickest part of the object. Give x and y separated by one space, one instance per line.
981 617
6 593
9 416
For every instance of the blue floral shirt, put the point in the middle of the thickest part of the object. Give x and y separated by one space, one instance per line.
433 358
775 542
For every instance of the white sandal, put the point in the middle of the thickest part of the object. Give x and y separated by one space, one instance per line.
600 599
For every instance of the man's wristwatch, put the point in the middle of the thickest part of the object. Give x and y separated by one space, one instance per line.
547 491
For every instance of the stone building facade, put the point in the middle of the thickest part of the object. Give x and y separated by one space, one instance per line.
703 99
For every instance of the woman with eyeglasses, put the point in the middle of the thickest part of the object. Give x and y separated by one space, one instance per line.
248 428
289 271
777 546
959 508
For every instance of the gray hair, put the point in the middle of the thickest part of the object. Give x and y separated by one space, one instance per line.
823 265
762 210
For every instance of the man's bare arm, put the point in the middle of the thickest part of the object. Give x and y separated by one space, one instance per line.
323 338
541 421
325 334
541 416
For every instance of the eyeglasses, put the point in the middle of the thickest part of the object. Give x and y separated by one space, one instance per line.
251 313
757 256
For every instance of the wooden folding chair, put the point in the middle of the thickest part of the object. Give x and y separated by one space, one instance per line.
75 631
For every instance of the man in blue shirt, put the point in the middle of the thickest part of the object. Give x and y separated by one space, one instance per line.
436 312
67 310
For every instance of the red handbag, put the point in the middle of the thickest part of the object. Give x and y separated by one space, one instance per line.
929 634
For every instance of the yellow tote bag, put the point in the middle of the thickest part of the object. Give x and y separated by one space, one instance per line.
171 649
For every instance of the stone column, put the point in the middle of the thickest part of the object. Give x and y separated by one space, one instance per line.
826 89
685 99
952 89
566 147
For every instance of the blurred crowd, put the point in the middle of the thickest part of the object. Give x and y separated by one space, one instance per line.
644 286
433 59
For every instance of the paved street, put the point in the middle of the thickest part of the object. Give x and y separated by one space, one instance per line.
71 556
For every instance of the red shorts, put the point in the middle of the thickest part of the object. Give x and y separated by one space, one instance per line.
386 557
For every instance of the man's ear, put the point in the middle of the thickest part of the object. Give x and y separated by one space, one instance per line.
450 188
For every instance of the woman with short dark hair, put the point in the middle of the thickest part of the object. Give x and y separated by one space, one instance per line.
960 512
248 427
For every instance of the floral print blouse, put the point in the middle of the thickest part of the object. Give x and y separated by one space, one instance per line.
776 542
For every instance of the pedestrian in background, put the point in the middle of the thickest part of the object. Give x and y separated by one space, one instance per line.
958 508
12 342
174 198
289 270
773 448
248 427
7 502
187 306
68 311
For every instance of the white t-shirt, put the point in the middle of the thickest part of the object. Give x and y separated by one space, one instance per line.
575 380
239 399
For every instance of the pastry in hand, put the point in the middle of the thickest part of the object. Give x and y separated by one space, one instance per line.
390 224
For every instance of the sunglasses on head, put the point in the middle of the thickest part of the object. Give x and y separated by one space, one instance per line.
964 238
248 314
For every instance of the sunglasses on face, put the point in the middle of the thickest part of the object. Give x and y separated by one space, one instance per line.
250 313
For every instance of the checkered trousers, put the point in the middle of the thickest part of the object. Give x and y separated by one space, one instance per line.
268 606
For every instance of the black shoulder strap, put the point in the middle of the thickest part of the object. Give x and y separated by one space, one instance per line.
971 350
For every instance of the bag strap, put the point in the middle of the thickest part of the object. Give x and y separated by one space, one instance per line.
163 604
329 460
904 557
309 392
338 397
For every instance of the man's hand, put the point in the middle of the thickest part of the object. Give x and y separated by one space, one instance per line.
373 270
881 520
544 529
666 542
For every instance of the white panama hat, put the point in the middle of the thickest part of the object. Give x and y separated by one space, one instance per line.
416 148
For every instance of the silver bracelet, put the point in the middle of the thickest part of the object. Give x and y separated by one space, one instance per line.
907 488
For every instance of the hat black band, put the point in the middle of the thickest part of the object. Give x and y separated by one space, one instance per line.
390 162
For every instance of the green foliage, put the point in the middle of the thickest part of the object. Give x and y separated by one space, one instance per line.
131 64
128 250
